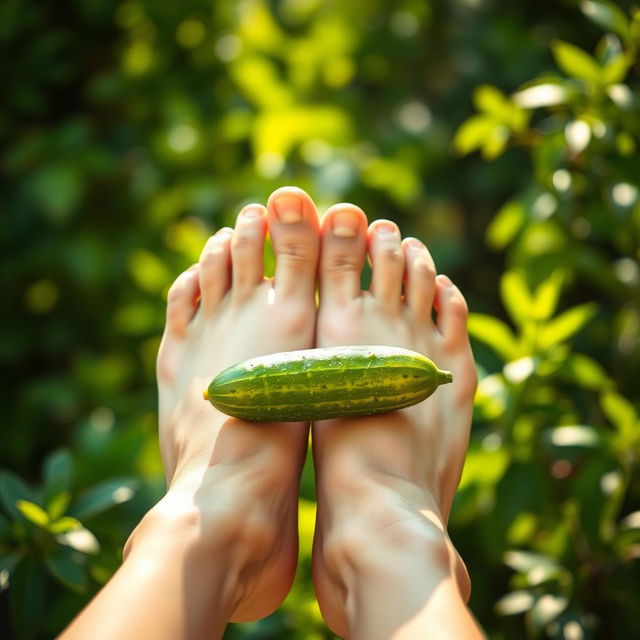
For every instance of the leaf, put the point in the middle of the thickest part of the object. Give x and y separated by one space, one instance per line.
575 62
616 71
33 513
103 497
67 566
80 539
515 602
472 134
62 525
585 372
622 415
546 296
58 505
495 333
27 597
547 94
546 609
516 297
12 489
58 470
566 325
607 15
506 224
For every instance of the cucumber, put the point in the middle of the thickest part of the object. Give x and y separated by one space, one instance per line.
318 384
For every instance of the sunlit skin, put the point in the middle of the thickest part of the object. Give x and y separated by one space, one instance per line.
222 544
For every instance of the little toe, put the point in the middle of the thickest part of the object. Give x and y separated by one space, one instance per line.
247 247
182 301
344 248
387 262
419 278
452 312
215 269
294 230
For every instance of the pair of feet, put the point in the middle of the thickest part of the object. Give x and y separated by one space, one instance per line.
385 484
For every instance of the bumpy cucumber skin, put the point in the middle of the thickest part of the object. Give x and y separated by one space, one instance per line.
319 384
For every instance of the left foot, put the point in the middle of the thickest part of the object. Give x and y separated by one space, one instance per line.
222 311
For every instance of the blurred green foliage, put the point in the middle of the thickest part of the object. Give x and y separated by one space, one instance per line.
133 129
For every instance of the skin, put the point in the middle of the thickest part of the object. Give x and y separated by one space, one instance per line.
222 544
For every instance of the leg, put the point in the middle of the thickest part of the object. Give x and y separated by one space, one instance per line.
222 543
383 564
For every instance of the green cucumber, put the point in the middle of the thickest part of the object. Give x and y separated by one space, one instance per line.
331 382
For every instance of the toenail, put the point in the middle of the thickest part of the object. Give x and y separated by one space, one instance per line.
288 209
385 229
414 244
252 212
444 280
345 224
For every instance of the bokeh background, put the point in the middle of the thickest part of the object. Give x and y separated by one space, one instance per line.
503 134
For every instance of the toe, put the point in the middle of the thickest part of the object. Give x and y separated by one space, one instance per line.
215 269
419 278
182 301
293 226
247 247
387 262
344 248
452 311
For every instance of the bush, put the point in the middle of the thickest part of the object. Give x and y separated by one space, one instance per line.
138 128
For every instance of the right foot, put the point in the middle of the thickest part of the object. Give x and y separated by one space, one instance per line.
386 483
222 311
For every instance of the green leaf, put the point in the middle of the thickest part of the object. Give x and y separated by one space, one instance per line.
62 525
491 100
103 497
566 325
546 296
575 62
27 597
495 333
58 505
12 489
67 566
506 224
516 297
607 15
616 71
622 414
585 372
495 142
472 134
58 470
33 513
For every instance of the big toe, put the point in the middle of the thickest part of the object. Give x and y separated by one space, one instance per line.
294 230
344 247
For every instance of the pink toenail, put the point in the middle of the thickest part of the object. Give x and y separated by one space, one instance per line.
252 212
414 244
288 209
385 228
345 224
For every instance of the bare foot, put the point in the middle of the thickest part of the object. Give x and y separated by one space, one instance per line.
386 483
219 312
